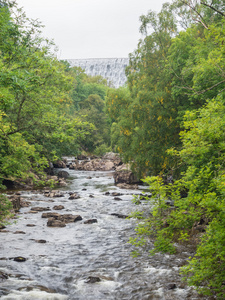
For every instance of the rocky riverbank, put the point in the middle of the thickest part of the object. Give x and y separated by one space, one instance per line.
123 175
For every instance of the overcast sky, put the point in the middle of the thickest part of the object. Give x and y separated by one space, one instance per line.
91 28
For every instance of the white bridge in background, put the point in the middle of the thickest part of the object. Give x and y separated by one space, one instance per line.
113 69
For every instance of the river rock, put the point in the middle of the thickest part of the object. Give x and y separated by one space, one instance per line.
91 221
74 165
58 195
117 199
69 218
121 216
19 232
59 164
114 157
116 194
127 186
93 279
107 163
3 276
66 218
40 241
81 157
111 156
171 286
19 259
54 194
53 177
40 208
58 207
62 182
52 222
123 174
24 203
74 196
63 174
50 215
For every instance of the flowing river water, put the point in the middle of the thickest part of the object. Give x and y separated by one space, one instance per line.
85 261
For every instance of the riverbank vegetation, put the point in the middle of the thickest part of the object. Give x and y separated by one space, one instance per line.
47 109
171 127
44 105
167 122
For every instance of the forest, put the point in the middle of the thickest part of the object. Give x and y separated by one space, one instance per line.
167 122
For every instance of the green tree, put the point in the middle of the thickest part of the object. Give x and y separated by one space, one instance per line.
195 74
149 126
36 123
204 152
93 111
88 102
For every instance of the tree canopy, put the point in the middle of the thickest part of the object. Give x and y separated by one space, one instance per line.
170 128
40 98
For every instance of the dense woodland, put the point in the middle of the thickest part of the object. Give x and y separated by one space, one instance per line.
167 122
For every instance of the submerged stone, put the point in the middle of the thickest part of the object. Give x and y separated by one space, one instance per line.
93 279
19 259
91 221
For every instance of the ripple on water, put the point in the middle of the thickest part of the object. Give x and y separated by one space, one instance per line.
74 253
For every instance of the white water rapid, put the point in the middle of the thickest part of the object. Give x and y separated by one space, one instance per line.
85 261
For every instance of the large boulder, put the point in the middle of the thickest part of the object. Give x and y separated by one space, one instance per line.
109 165
114 157
123 174
52 222
74 165
58 220
63 174
59 164
108 162
93 165
81 157
51 215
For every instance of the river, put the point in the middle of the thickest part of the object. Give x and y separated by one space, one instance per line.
85 261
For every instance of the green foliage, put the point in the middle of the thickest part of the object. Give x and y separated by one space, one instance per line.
88 103
174 125
36 120
204 153
207 266
169 73
146 124
102 149
5 207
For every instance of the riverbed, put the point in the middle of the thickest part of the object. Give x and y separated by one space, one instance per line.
85 261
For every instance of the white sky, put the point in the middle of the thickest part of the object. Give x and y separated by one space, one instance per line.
91 28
